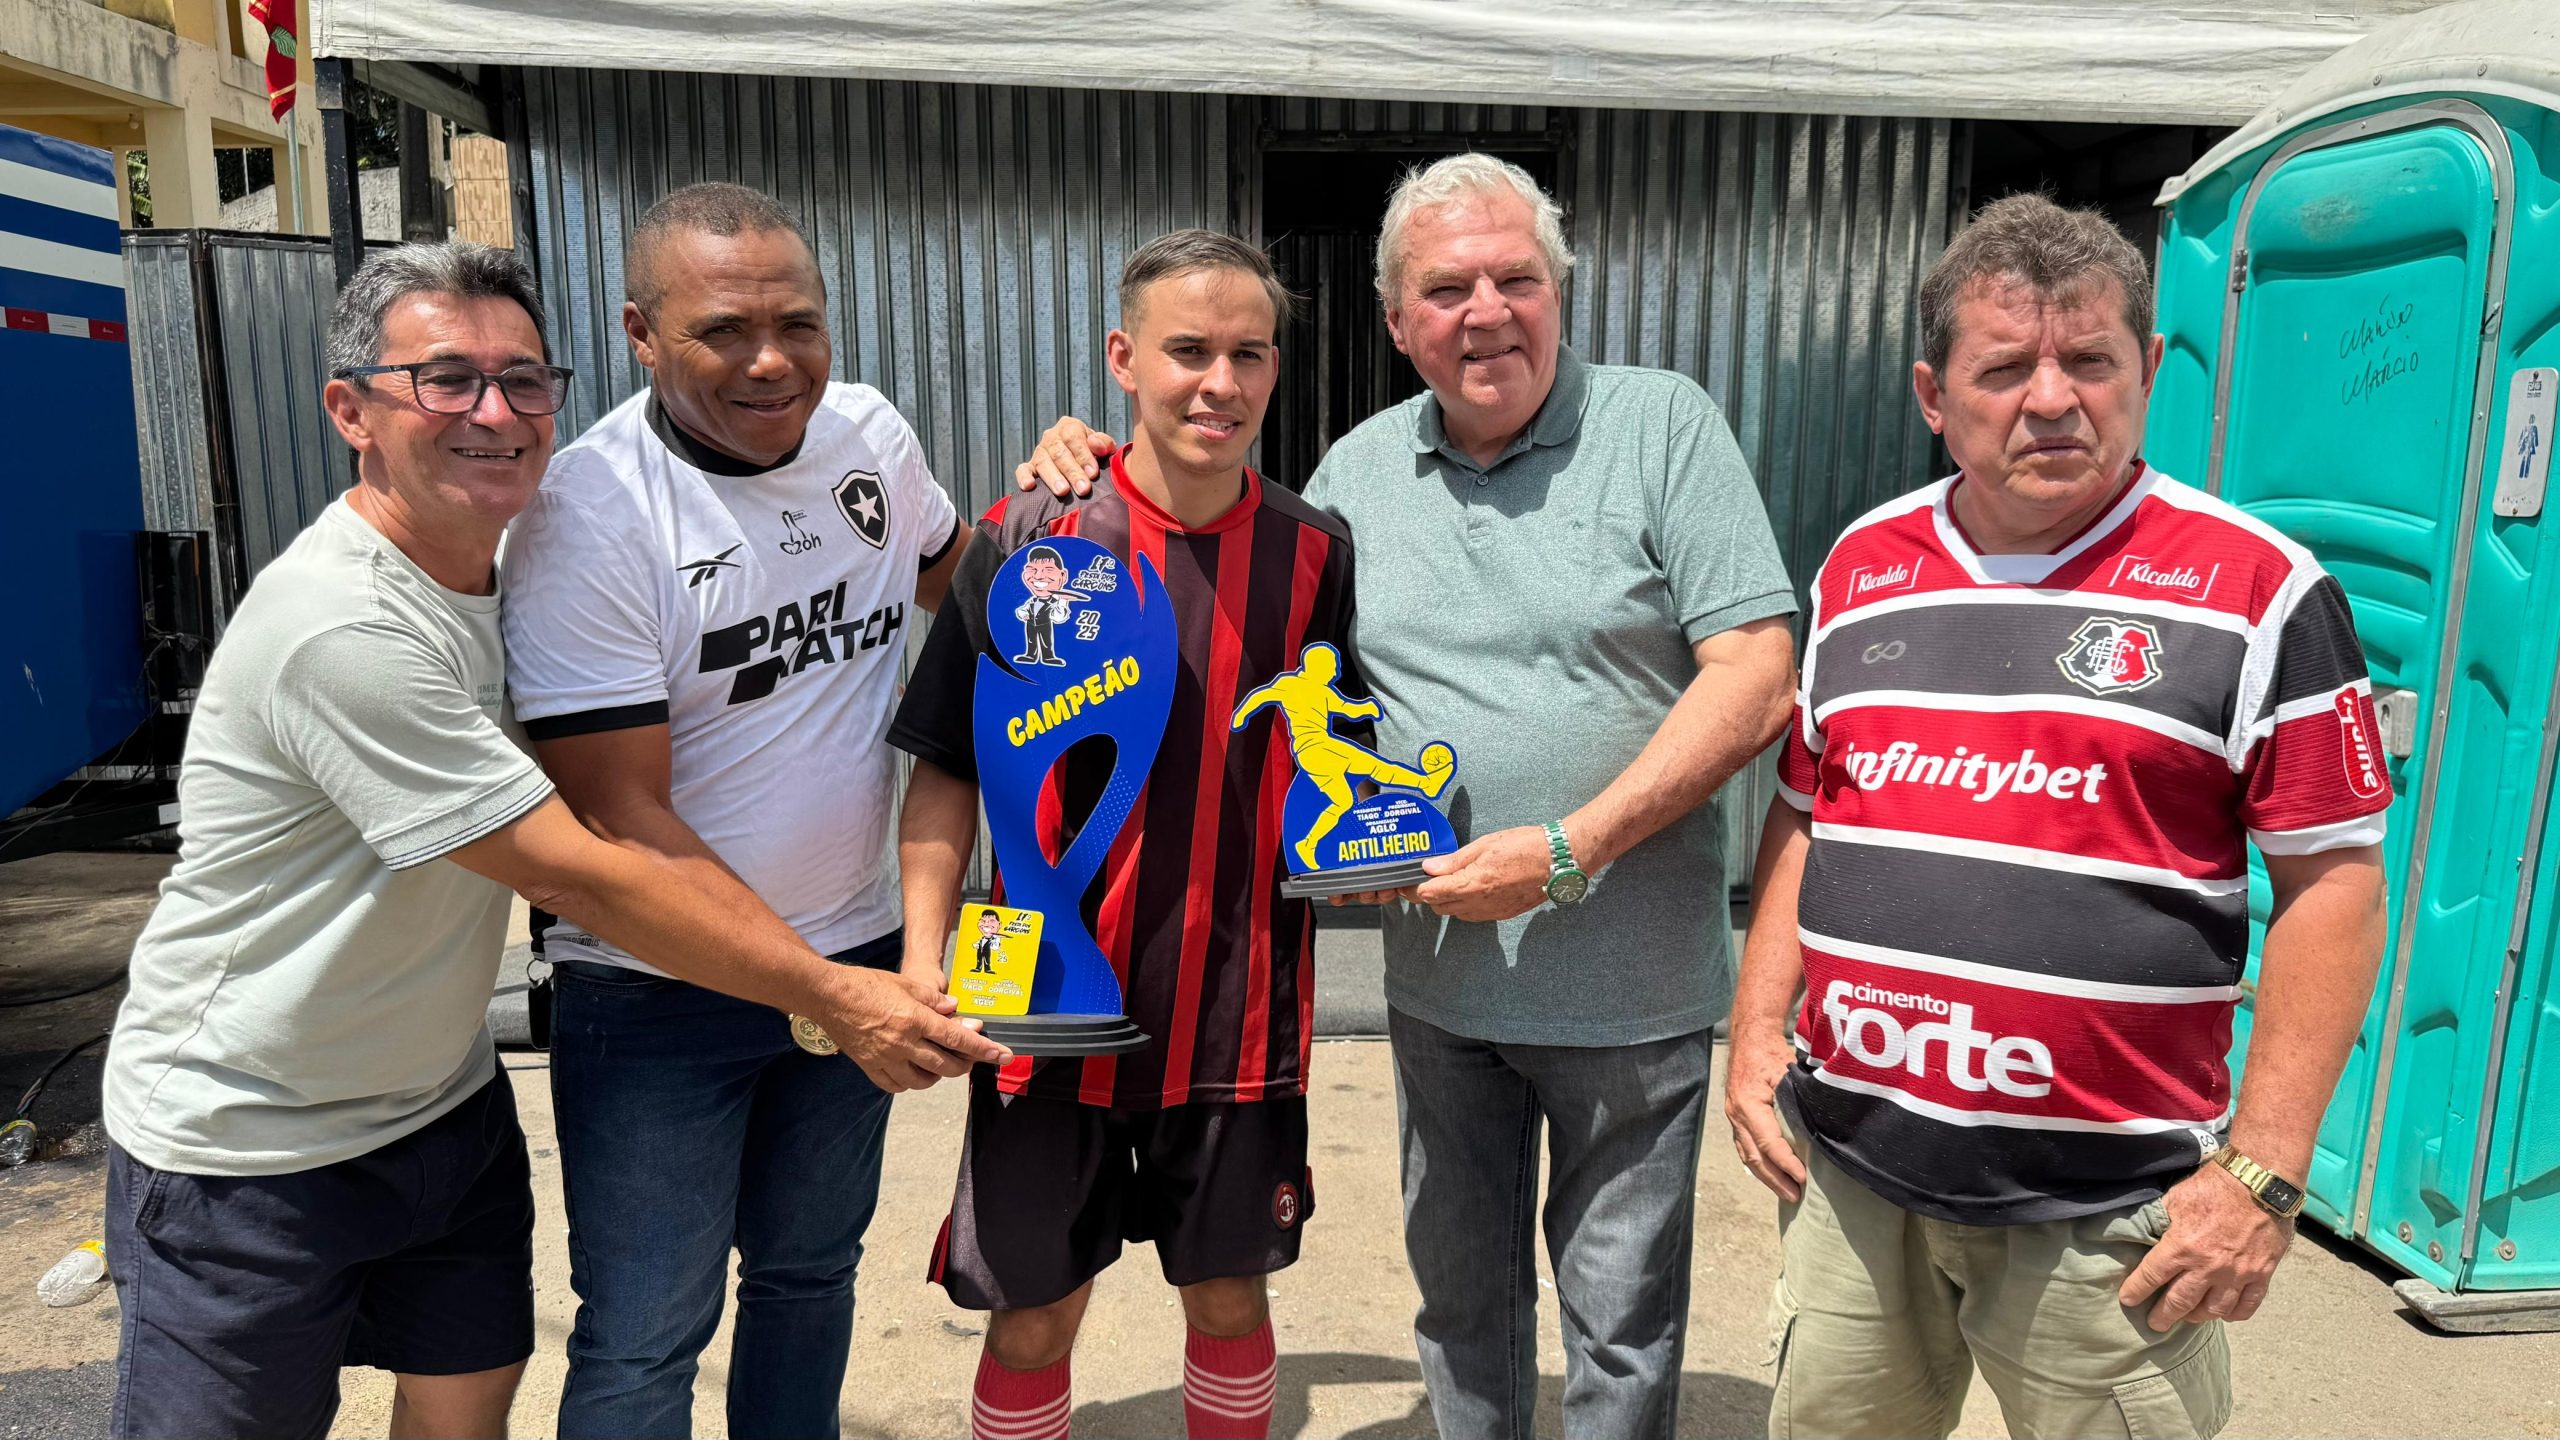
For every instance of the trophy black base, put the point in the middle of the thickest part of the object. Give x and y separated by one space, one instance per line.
1317 884
1064 1034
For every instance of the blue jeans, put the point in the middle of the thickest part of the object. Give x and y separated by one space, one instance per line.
690 1124
1622 1128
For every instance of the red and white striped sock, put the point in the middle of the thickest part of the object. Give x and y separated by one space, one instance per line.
1228 1385
1019 1404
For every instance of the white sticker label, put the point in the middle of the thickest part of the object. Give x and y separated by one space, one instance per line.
2524 468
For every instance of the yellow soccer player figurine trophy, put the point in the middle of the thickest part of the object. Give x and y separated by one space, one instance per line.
1388 834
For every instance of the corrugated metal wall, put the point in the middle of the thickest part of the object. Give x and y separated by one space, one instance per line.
271 300
1777 260
227 340
971 236
168 390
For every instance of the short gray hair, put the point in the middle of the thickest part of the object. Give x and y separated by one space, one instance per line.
2029 240
1188 252
1459 178
387 277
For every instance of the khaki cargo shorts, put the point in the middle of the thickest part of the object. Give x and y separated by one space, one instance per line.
1881 1316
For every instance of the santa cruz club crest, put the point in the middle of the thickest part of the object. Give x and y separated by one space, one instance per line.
865 505
2107 655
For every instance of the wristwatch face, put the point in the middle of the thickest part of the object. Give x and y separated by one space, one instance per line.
2281 1195
1568 887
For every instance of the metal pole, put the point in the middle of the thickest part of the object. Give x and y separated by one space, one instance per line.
293 162
419 217
338 169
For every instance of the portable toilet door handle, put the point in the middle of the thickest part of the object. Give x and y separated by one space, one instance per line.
2396 712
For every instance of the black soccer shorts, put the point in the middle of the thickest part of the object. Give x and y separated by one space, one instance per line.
1051 1189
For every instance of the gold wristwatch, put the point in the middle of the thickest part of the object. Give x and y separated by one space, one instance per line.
2275 1194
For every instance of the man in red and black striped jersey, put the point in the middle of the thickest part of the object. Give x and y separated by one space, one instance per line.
1199 1141
2047 705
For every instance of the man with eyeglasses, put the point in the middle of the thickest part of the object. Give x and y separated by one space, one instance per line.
315 1159
706 609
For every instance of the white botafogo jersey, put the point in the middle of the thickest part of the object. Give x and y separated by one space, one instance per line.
760 616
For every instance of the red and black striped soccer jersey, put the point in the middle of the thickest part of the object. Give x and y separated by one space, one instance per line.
2033 780
1215 965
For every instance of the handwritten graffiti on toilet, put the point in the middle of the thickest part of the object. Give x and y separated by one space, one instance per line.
2377 351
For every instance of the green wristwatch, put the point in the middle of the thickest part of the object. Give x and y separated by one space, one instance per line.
1566 884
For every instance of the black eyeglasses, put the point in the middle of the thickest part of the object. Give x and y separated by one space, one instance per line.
449 387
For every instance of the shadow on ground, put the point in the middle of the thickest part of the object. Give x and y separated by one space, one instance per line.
1711 1404
67 1404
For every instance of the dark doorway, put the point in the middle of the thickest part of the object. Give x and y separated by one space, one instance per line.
2117 169
1320 211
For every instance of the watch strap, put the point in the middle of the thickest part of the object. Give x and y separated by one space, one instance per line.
1559 849
2259 1180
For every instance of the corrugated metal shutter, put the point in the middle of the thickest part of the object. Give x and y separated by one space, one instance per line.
227 332
1776 259
169 393
271 300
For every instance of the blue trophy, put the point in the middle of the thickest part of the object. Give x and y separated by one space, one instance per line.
1092 654
1338 843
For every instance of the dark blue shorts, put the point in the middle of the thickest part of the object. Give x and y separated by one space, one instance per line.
243 1296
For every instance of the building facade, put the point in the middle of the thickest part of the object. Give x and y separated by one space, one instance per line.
174 79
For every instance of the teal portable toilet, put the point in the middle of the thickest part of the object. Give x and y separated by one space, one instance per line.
2360 291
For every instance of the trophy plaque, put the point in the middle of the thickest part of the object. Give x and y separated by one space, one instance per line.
1339 843
1092 654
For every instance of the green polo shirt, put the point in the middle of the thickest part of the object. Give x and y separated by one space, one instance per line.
1538 615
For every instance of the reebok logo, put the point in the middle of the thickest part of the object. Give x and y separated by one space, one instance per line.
2184 581
763 649
1982 774
1872 1035
698 571
1872 580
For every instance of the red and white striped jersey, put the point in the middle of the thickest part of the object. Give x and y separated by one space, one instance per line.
2033 780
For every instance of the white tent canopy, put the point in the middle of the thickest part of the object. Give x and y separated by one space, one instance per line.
2177 63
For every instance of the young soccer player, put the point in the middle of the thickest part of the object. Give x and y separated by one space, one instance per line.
1199 1141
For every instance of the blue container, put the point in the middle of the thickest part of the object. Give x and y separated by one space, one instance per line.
70 468
2360 292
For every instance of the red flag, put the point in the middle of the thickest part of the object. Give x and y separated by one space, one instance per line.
282 46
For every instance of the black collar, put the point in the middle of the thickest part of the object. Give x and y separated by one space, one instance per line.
702 457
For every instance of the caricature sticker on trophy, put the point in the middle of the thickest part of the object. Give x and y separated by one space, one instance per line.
1338 843
1093 652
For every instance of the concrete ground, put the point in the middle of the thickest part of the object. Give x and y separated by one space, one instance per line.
2332 1354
